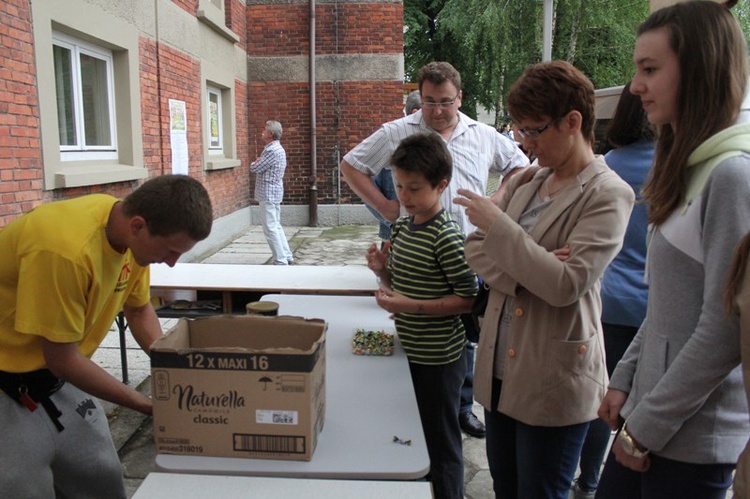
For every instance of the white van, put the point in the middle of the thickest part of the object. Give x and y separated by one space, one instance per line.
606 102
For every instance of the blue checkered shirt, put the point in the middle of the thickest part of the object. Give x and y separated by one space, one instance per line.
269 173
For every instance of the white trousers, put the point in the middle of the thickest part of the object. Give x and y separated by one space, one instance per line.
274 233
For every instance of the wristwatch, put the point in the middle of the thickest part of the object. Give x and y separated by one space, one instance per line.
629 445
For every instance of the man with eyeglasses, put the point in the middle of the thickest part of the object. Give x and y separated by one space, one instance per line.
384 178
476 150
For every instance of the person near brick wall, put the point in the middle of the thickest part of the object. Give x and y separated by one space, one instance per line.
269 191
476 150
66 270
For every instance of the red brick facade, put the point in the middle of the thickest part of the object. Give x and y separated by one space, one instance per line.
347 110
20 153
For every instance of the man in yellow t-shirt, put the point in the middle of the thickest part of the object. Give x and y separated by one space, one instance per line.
66 269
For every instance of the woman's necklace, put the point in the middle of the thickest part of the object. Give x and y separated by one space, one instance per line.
551 192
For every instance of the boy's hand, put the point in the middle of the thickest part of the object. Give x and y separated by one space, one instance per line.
392 302
377 258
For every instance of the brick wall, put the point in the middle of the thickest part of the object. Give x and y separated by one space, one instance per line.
234 11
20 154
188 5
347 111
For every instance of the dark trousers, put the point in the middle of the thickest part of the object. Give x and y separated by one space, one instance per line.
616 340
532 462
665 478
467 388
437 390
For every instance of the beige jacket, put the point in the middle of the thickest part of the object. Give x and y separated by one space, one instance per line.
554 372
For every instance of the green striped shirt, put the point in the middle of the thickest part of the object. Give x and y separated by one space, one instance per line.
427 262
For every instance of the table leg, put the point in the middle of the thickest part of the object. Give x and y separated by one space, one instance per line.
122 326
226 300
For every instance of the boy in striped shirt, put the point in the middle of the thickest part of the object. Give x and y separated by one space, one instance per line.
427 284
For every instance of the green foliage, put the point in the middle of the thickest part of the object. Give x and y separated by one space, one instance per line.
491 41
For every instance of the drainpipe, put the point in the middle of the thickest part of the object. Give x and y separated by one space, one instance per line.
313 129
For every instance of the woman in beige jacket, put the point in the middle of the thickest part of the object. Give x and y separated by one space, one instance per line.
540 371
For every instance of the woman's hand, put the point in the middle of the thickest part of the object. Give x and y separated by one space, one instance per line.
634 463
609 411
480 210
562 254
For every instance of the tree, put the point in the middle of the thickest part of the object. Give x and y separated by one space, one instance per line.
491 42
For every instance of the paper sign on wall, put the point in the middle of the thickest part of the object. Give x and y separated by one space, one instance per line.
178 136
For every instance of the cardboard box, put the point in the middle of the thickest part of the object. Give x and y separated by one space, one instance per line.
240 386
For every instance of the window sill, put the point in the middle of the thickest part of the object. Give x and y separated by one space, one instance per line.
80 176
222 164
213 17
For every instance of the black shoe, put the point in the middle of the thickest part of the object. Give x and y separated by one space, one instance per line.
471 425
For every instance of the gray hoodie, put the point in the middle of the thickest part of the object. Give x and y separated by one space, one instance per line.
686 396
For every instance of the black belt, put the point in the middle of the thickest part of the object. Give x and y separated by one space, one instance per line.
32 388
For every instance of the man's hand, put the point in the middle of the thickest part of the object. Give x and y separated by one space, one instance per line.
66 362
144 325
497 196
361 183
391 209
480 210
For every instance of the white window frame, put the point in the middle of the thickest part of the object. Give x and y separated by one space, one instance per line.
217 149
219 81
82 151
102 28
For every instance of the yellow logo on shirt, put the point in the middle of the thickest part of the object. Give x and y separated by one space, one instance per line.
122 281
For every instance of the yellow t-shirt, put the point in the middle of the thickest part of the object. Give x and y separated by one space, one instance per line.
60 279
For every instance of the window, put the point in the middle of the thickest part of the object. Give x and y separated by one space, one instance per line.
215 125
84 92
219 121
212 13
87 62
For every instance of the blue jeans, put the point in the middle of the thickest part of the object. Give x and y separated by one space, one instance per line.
437 391
616 340
383 180
665 478
532 462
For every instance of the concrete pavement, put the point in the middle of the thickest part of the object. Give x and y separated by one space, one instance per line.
343 245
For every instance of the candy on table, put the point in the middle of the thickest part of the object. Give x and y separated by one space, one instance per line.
372 342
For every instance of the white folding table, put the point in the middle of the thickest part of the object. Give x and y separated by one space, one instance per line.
236 278
229 278
161 485
370 400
